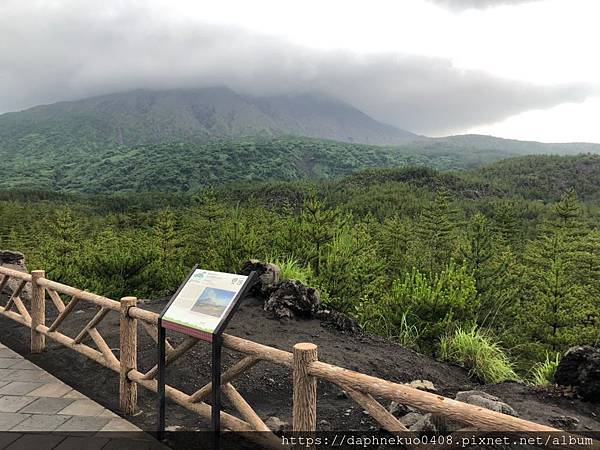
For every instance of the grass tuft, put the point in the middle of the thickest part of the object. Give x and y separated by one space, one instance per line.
478 353
372 320
292 270
543 372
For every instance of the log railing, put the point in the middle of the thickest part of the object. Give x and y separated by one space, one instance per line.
303 362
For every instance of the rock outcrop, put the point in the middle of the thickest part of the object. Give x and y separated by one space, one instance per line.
11 258
579 369
268 276
423 385
292 299
569 423
15 261
399 409
277 425
419 423
485 400
338 321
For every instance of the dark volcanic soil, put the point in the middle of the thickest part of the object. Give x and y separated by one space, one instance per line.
267 387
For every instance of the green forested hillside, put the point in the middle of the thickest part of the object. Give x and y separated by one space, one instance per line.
472 151
419 242
488 146
546 176
413 254
183 140
187 167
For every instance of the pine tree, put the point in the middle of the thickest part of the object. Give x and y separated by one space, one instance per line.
558 304
318 227
66 233
560 298
232 247
202 230
568 208
62 245
506 222
211 209
437 233
168 268
589 272
480 251
493 266
166 235
434 305
395 237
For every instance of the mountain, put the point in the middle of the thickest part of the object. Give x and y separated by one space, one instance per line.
150 117
183 140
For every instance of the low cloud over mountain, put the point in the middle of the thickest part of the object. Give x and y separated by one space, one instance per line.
122 47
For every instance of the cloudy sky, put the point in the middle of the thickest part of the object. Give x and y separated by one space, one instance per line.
511 68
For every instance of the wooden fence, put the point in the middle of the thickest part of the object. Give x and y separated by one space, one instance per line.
303 361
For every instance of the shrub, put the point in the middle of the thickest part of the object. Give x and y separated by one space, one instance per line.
482 356
350 268
435 305
543 372
117 264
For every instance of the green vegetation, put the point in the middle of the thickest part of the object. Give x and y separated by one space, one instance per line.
400 329
141 117
413 254
546 176
478 353
181 141
291 270
422 240
187 167
434 304
543 372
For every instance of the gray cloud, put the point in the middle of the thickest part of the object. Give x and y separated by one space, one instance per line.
478 4
50 53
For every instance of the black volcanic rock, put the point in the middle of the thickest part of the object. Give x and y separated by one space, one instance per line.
293 299
579 368
267 276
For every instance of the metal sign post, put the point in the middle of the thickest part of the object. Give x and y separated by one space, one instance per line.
161 380
216 391
214 336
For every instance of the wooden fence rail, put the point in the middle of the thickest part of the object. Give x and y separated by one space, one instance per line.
303 363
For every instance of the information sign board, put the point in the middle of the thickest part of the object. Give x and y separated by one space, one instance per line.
202 308
204 302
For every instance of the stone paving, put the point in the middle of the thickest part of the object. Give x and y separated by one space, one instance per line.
38 411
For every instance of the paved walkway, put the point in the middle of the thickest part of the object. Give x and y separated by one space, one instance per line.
32 400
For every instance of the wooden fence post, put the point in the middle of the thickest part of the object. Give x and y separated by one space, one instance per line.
38 311
305 389
128 357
